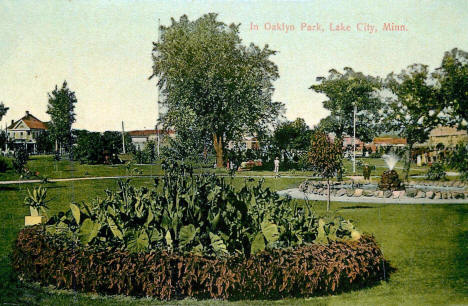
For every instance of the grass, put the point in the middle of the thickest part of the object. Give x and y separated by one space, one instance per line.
426 244
47 166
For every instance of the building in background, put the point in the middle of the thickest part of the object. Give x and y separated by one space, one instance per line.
387 142
25 132
141 137
447 136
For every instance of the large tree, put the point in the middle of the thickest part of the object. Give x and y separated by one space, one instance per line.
291 136
343 91
452 77
413 109
61 110
223 88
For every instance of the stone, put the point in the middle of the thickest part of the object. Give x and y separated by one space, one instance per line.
402 194
350 192
358 192
387 194
430 195
368 193
444 195
319 190
421 194
458 195
411 192
396 194
380 193
341 192
437 196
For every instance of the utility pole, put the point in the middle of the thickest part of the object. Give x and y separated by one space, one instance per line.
159 100
354 139
123 139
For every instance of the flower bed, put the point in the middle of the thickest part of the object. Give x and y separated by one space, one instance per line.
312 269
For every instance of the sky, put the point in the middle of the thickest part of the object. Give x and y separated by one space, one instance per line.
103 49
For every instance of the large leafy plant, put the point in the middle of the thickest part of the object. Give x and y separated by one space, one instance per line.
200 214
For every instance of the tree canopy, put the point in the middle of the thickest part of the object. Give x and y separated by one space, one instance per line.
3 110
343 91
413 109
292 135
452 76
206 75
61 110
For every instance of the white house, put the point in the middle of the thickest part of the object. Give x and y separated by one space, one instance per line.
25 131
141 137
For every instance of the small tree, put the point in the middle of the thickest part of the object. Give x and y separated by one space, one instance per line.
61 110
20 159
3 110
325 157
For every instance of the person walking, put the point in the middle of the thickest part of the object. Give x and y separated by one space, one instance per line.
276 162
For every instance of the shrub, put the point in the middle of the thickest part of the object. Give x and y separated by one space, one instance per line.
199 214
21 157
436 172
5 164
459 160
304 271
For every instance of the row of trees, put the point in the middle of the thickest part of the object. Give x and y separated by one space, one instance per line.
409 104
217 90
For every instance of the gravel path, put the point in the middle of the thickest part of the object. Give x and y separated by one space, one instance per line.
297 194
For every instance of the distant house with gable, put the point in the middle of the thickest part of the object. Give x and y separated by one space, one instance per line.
25 131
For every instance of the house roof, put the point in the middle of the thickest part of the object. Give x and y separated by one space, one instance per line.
145 133
31 121
389 140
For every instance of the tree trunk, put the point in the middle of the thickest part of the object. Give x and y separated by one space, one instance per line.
328 200
408 161
218 145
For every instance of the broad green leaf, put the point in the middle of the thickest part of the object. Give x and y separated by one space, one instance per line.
88 231
139 242
270 231
75 212
215 221
155 236
187 234
258 244
218 244
149 218
168 238
114 228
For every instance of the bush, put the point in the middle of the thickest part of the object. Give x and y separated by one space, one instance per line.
305 271
436 172
459 160
199 214
5 164
21 157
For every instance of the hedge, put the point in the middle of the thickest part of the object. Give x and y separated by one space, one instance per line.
305 271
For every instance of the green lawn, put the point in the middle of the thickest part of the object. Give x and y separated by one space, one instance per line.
47 166
426 244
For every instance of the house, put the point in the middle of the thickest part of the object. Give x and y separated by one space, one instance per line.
387 142
447 136
247 142
141 137
25 131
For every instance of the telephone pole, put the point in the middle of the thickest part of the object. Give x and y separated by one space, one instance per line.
123 139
